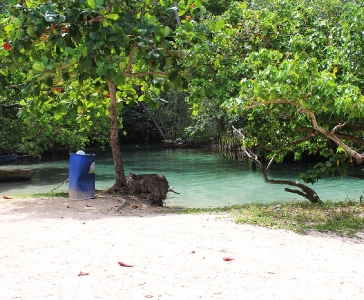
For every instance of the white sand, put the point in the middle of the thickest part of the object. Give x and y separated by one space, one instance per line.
44 245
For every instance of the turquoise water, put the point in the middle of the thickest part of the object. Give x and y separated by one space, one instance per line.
202 178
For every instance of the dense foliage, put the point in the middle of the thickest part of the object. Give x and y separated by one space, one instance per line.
287 74
293 69
90 55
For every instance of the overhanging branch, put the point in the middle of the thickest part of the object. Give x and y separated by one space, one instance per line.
332 135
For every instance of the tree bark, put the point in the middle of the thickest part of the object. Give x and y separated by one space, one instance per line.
120 179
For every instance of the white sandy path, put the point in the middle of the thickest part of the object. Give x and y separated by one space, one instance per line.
42 251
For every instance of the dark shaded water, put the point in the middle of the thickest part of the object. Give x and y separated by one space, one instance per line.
202 178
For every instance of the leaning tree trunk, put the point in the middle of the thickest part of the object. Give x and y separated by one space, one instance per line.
304 191
120 181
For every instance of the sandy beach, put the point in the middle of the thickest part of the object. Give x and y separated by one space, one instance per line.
46 243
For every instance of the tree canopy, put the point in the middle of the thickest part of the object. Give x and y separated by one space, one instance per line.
292 69
89 56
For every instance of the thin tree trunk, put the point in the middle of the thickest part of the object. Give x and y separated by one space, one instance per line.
120 182
176 13
164 136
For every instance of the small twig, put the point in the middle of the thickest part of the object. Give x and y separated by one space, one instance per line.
337 127
121 206
172 190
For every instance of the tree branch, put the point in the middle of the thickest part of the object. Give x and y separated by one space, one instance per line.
176 13
337 127
359 157
130 62
350 138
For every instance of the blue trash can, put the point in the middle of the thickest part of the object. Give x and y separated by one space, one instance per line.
81 176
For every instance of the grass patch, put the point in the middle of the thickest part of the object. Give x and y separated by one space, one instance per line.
44 195
211 210
344 218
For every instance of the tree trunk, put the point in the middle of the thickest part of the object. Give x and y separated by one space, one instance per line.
305 191
176 13
120 182
163 135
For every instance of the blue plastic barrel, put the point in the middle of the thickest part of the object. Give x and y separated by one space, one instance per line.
81 176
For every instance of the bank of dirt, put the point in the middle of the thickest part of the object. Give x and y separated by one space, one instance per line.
46 243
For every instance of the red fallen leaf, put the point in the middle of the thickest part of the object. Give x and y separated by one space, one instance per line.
123 265
82 273
6 197
227 258
192 251
148 296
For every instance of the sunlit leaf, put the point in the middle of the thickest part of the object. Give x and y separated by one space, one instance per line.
166 31
112 16
91 3
38 66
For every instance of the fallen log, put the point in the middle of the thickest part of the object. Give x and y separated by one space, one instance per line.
7 175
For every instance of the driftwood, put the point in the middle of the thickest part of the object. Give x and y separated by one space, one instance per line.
7 175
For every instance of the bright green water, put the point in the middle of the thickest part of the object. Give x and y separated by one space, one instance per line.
202 178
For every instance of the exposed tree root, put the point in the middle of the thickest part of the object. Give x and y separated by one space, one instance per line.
122 205
152 189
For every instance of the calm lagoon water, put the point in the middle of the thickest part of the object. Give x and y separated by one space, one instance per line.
202 178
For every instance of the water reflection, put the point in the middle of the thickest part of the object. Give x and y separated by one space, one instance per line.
202 178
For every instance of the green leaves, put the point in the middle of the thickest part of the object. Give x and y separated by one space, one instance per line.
119 79
39 66
166 31
91 3
112 17
188 26
297 64
173 75
13 68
